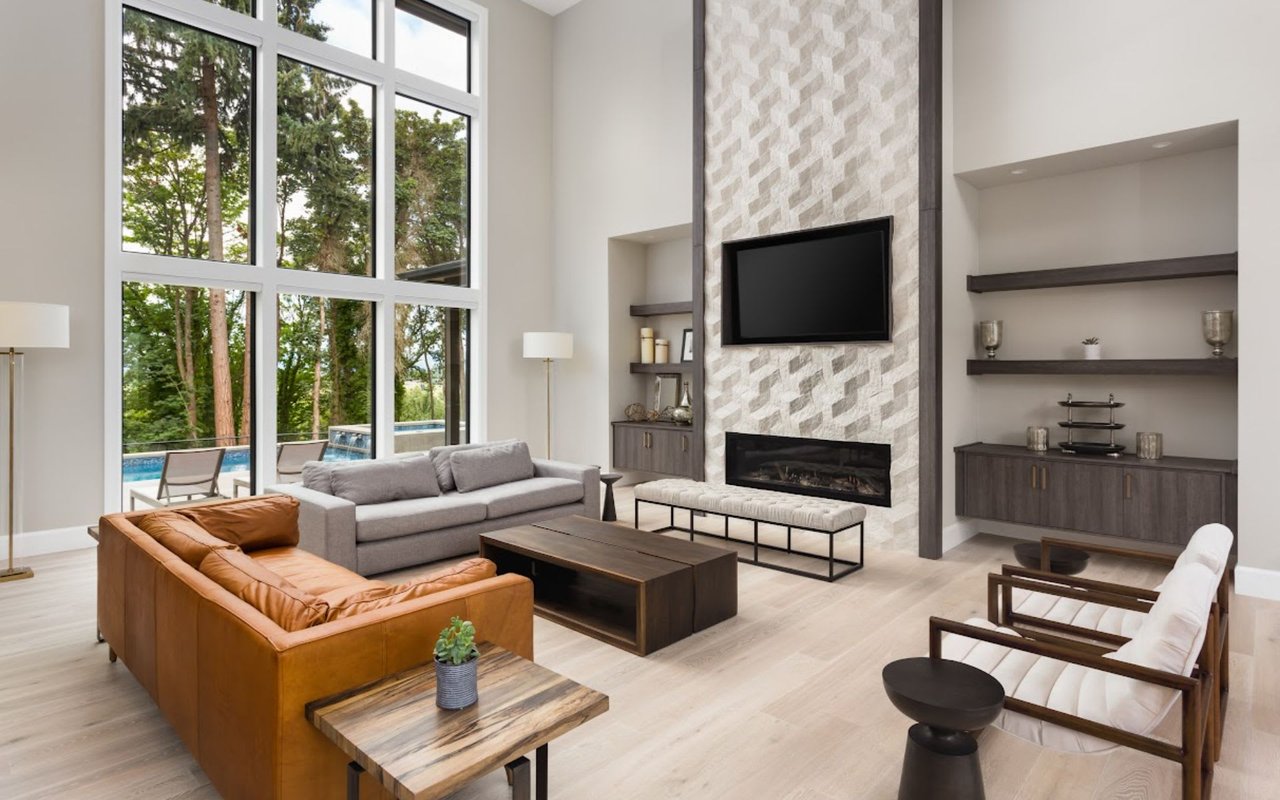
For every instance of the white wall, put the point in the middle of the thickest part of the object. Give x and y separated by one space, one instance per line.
1034 79
623 162
51 230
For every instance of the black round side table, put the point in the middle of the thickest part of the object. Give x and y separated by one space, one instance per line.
610 510
946 699
1062 560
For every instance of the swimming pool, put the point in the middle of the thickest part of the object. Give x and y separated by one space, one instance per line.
147 466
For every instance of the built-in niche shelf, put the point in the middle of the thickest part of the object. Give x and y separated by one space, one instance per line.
1162 269
662 309
673 368
1227 367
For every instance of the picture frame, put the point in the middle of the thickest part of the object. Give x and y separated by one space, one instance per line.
686 345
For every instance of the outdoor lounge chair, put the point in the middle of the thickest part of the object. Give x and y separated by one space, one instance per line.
290 457
187 476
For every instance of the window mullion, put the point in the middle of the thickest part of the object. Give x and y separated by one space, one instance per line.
266 342
385 227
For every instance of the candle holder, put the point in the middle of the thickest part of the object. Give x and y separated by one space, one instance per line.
990 332
1218 327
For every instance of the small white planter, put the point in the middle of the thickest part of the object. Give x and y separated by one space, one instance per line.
1092 352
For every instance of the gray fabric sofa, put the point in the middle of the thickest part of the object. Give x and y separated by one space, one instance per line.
499 488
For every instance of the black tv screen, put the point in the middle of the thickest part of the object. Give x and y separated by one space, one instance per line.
822 285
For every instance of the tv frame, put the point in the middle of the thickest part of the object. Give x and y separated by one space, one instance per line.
729 250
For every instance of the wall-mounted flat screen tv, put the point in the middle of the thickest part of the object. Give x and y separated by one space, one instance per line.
822 285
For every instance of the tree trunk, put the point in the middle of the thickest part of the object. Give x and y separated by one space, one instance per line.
223 414
315 380
183 308
246 386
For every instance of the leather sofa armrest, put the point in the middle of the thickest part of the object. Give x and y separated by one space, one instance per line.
326 524
588 476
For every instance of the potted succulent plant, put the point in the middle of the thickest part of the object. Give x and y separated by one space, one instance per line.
1092 348
456 660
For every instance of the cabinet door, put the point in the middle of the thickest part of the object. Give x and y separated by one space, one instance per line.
631 448
1166 505
671 452
1004 489
1083 497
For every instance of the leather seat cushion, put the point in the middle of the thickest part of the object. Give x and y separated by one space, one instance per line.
309 572
254 523
530 494
182 537
280 601
350 605
406 517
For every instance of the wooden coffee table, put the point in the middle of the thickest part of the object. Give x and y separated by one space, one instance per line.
635 590
393 730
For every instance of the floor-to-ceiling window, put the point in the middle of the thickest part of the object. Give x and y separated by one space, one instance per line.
292 224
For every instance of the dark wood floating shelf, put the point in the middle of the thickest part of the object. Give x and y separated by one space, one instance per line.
677 368
1107 366
659 309
1134 271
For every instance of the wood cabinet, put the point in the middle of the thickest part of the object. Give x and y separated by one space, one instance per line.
1158 501
654 447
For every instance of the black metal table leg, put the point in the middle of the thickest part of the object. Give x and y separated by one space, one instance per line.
691 524
354 771
518 778
541 779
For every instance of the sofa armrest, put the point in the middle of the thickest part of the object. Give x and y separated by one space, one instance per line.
587 475
326 524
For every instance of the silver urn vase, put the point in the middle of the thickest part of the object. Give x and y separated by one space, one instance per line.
683 413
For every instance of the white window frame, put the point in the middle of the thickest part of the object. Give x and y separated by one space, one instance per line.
264 278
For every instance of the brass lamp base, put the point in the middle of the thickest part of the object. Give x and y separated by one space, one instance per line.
16 574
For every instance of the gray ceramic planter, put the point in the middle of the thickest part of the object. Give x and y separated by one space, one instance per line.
456 684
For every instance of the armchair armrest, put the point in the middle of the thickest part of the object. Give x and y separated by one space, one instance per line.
1136 592
587 475
326 524
1124 552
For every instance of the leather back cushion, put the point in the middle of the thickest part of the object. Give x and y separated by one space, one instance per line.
491 466
385 480
280 601
440 457
253 524
346 604
182 537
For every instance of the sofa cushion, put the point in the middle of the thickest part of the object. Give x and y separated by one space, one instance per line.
490 466
182 537
254 523
310 572
440 457
316 476
405 517
531 494
280 601
469 571
384 480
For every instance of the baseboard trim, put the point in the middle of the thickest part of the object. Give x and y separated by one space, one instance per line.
1255 582
55 540
957 533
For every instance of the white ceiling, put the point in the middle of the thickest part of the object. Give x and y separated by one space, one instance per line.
552 7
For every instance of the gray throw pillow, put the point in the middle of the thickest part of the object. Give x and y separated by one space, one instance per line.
490 466
384 480
440 457
315 475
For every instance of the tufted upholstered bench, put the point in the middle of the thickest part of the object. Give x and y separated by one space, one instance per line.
760 506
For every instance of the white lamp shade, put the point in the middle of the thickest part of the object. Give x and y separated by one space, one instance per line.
30 325
548 345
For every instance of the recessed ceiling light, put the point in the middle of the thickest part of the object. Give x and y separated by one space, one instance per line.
1018 171
1162 145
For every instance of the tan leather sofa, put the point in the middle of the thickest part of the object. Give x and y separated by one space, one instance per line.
233 683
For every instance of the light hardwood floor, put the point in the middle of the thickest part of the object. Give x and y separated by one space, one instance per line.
783 701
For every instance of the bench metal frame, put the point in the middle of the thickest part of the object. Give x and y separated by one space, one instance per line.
833 574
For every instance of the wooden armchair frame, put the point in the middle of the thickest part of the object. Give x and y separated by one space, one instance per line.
1199 736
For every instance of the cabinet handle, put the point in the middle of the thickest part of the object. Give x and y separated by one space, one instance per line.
1044 478
684 443
1128 486
1033 476
646 440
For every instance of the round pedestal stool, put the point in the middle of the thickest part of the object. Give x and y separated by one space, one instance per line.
946 699
1062 560
610 510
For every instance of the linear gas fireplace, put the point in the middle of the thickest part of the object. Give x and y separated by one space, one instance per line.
854 471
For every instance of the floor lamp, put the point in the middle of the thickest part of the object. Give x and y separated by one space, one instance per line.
25 325
548 347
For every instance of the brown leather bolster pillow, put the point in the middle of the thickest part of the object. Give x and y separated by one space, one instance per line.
469 571
253 524
182 536
280 601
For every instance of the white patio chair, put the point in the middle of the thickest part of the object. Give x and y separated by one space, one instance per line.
187 476
290 456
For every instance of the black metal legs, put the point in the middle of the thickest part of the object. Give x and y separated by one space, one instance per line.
541 778
354 771
518 776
